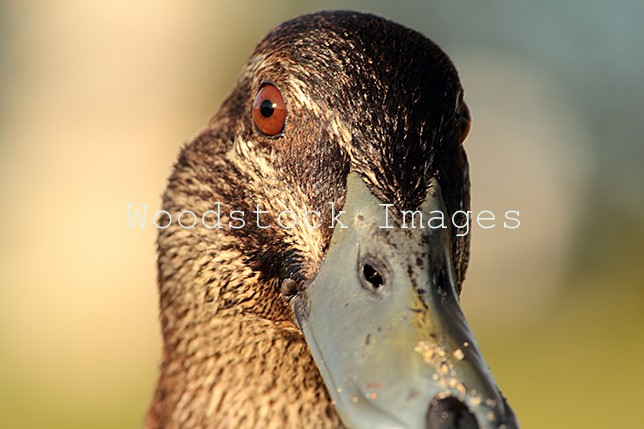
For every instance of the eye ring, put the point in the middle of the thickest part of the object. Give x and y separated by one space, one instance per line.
465 122
269 110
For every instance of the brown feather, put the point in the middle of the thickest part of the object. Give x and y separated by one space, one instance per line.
363 94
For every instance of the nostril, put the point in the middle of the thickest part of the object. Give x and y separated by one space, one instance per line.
372 276
374 273
450 413
442 285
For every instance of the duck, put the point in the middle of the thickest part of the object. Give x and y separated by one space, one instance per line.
306 302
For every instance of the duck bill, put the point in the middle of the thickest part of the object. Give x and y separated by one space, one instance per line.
383 323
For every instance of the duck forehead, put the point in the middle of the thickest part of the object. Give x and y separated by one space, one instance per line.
387 95
359 62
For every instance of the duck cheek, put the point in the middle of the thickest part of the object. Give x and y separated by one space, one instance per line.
384 325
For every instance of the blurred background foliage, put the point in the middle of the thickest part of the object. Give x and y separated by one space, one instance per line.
98 96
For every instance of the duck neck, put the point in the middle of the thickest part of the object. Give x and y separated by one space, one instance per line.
225 366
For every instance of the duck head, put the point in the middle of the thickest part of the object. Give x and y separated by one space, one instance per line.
319 287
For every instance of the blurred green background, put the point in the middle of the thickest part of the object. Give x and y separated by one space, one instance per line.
98 96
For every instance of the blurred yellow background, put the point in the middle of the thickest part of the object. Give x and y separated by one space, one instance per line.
97 98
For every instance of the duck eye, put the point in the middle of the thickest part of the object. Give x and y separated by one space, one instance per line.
269 110
465 121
